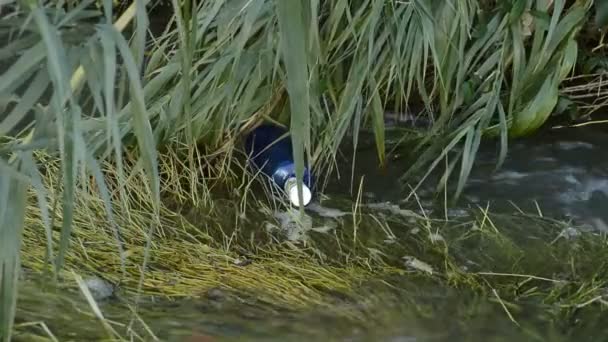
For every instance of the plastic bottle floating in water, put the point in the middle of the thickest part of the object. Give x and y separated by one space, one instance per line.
274 158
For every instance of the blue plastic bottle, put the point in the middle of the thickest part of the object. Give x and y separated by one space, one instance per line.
274 158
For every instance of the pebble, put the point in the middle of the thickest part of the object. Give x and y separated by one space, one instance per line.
293 225
215 294
416 264
99 288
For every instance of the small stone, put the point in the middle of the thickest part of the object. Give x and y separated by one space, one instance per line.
215 294
99 288
416 264
243 262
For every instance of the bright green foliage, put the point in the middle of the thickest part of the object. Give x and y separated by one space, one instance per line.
501 78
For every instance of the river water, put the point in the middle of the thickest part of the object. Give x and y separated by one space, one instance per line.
560 174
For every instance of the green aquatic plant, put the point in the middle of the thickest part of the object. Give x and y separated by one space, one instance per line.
503 81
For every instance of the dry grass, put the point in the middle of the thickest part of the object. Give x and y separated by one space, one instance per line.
186 258
589 91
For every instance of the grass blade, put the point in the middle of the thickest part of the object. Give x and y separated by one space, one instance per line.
12 214
141 124
66 122
377 113
30 59
26 103
293 51
29 164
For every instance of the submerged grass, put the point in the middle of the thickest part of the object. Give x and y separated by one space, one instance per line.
186 257
373 253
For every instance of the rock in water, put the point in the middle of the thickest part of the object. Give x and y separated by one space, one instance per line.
100 288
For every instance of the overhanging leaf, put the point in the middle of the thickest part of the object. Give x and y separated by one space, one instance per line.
294 54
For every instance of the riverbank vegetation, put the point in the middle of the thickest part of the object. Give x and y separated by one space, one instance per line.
109 131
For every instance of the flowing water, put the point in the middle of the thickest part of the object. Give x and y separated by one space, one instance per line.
560 174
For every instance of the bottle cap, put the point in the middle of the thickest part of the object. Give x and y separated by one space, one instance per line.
291 188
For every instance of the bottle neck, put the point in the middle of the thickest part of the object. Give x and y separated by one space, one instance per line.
291 189
286 171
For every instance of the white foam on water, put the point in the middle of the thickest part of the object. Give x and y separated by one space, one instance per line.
510 175
571 145
582 190
596 185
572 180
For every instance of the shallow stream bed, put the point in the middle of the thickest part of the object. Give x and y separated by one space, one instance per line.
535 270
